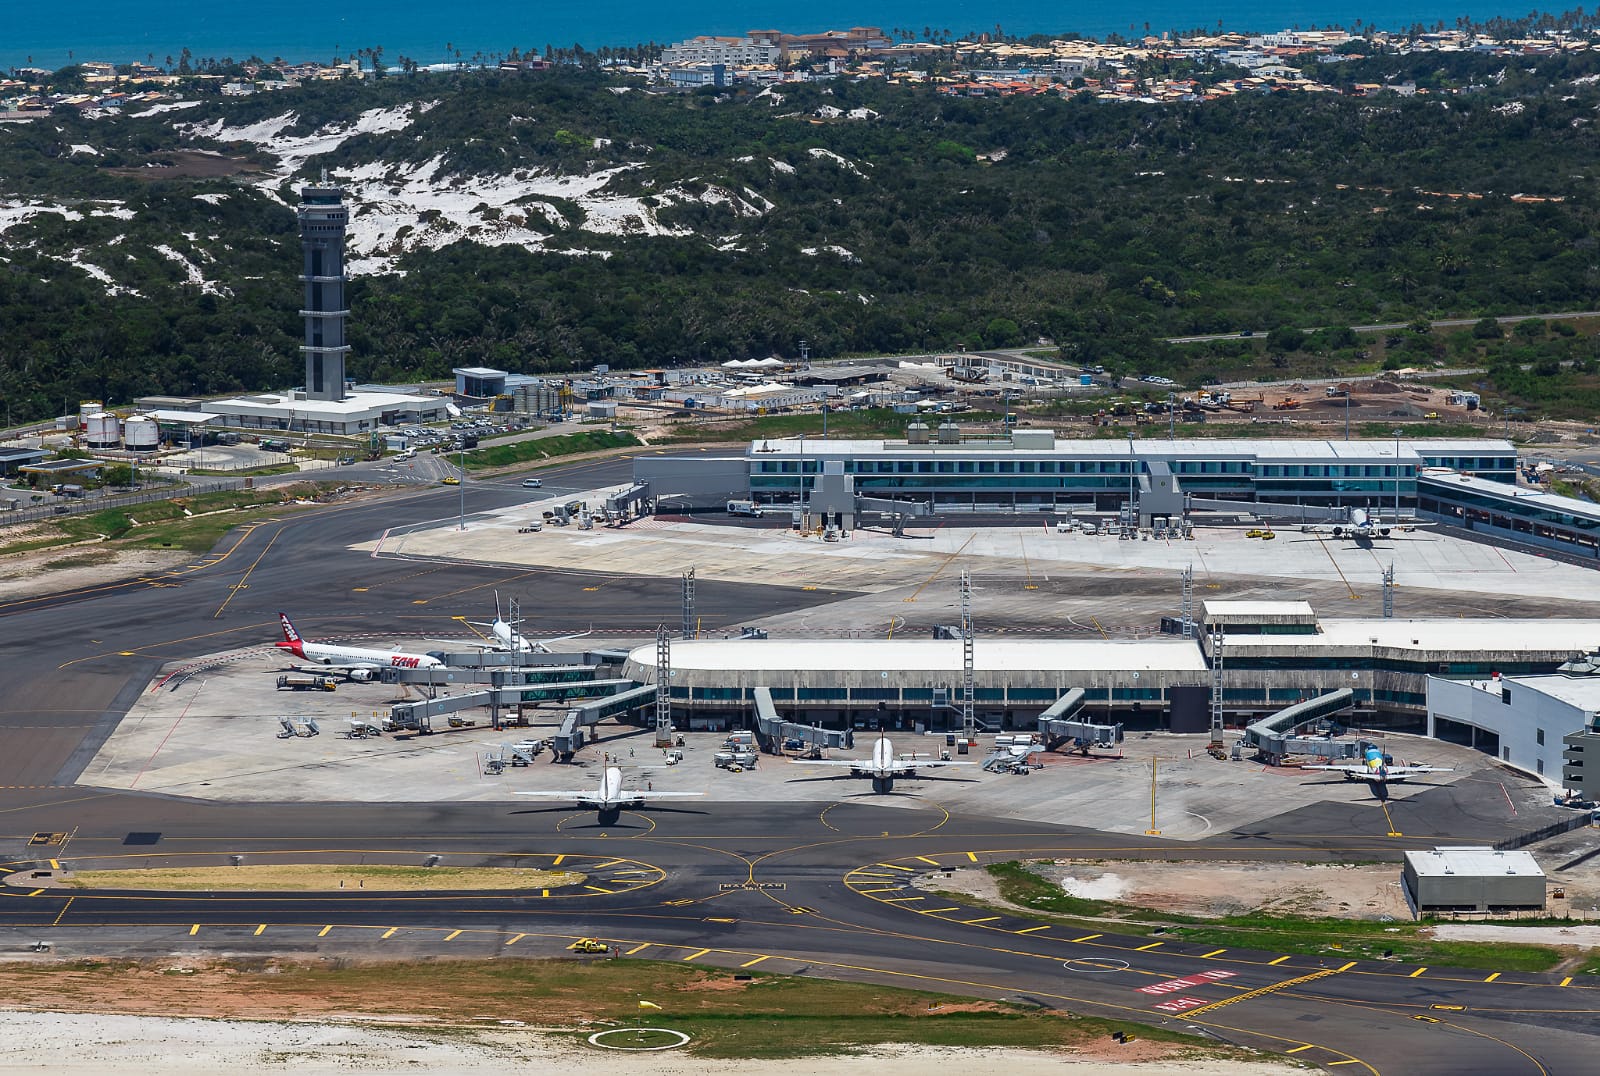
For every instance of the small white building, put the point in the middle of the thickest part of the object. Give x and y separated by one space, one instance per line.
1520 719
1473 879
358 412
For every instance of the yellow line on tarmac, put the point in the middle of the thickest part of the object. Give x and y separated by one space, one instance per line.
1492 978
753 963
938 911
515 938
260 930
893 867
323 933
925 859
637 949
388 933
1087 937
452 936
985 919
1416 973
1032 930
1272 963
194 930
1297 1049
1348 966
972 856
1147 948
695 956
1214 952
557 861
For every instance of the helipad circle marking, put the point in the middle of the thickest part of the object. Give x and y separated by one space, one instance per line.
1096 965
594 1040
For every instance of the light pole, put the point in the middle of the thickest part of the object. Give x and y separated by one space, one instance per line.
1132 518
461 484
1397 476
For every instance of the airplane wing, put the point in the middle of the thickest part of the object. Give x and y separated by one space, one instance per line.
855 764
1391 773
570 794
930 765
641 796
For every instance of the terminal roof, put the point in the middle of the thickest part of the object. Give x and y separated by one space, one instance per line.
1482 637
942 656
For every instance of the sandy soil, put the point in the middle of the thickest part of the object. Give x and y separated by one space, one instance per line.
25 574
1216 889
1578 936
160 1046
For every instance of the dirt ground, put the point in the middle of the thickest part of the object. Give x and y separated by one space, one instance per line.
189 164
1215 889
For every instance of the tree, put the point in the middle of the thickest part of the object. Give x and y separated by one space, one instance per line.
1285 338
1487 329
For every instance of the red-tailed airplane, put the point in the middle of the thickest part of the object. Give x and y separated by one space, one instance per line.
356 662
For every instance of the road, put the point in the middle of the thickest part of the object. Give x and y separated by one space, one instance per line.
1392 326
698 885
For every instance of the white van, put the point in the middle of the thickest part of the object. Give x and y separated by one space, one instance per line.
1064 527
1090 528
532 483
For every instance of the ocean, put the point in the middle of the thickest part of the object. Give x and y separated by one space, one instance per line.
138 30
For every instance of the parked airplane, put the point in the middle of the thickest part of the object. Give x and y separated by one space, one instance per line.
1377 768
507 637
357 663
1361 526
882 767
610 798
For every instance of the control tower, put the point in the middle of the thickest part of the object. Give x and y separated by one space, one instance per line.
323 216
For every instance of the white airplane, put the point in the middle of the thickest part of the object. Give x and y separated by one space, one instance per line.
610 798
507 637
357 663
1376 767
882 767
1361 526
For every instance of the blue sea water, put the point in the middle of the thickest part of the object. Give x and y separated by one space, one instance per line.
136 29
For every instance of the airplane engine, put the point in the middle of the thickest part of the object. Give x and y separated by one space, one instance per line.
1338 532
361 675
1383 532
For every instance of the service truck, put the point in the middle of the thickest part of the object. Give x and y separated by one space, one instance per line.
744 508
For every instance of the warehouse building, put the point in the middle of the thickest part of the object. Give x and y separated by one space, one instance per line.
1472 879
1521 720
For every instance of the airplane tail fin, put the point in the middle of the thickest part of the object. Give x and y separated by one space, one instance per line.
291 638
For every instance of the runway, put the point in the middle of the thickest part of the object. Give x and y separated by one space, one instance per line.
786 888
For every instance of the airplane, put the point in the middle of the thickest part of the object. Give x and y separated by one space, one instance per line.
357 663
610 798
507 637
1362 527
1376 768
882 767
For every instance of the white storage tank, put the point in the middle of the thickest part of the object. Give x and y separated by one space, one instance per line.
87 409
102 431
141 434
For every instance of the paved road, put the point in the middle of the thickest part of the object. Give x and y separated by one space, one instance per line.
1393 326
671 884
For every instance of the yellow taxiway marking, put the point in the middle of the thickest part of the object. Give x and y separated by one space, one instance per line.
893 867
597 889
1214 952
36 892
1264 991
881 889
714 919
625 874
695 956
1347 1061
260 930
607 863
323 933
637 949
1348 966
358 590
925 859
939 911
388 933
515 938
869 874
753 963
1272 963
452 936
898 900
985 919
54 865
1152 945
1033 930
972 856
1492 978
1297 1049
1416 973
194 930
557 861
62 914
1087 937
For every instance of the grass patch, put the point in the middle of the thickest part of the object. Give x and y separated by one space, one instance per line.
1355 938
546 448
288 877
768 1016
254 472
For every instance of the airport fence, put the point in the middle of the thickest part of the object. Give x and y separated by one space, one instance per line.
1578 820
77 506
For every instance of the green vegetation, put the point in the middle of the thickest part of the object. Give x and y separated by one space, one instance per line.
539 449
1103 228
1358 939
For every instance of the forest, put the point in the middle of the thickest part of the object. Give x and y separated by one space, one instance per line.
1094 227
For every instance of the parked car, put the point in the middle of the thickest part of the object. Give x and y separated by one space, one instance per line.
532 483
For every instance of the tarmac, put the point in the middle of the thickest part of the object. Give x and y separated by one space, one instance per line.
216 736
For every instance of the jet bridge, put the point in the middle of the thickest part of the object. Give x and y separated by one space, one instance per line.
418 716
1061 725
772 730
572 735
494 676
1274 737
486 658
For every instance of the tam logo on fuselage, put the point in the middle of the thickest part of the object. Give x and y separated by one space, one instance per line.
404 662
